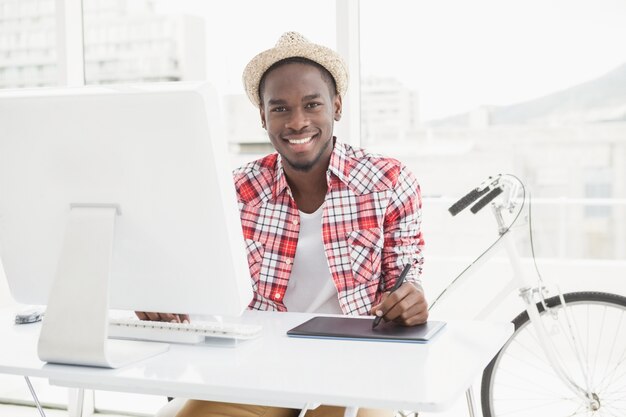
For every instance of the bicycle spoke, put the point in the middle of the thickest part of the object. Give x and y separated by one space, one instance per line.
617 394
613 403
579 352
611 375
610 388
576 349
599 340
517 388
579 410
536 399
567 336
526 409
604 412
540 388
587 355
614 411
586 336
618 389
597 353
608 400
535 343
610 382
531 364
619 326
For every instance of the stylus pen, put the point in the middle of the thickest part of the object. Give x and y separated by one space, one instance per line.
399 282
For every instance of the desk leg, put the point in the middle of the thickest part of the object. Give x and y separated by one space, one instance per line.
351 412
308 406
34 395
80 402
469 394
76 399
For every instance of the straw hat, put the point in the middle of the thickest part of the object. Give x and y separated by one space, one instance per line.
293 44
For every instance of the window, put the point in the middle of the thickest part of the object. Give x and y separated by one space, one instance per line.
27 43
194 40
463 90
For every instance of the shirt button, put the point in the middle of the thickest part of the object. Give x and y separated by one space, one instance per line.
277 296
288 261
294 222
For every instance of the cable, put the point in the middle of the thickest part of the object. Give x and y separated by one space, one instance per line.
490 246
532 253
532 244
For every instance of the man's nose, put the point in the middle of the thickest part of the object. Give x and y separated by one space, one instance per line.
297 120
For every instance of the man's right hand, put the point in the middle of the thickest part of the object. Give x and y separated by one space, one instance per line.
171 318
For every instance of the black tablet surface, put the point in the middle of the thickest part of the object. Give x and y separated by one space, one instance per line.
361 329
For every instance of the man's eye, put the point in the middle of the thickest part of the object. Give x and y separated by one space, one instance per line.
279 109
313 105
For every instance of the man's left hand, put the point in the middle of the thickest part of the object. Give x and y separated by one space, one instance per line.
406 306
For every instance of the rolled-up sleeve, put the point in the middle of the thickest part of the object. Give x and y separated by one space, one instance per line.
403 241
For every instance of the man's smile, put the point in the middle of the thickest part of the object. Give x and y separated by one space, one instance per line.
299 141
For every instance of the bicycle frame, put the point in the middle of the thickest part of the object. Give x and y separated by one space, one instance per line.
527 291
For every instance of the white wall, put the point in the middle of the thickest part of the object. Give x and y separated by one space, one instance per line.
5 296
481 287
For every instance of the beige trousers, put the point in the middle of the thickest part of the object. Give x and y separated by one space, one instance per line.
196 408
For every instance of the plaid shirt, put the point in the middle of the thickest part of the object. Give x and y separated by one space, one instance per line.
370 227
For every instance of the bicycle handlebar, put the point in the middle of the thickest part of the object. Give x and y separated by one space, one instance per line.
486 200
466 200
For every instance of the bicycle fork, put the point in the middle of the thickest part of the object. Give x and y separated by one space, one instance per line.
527 292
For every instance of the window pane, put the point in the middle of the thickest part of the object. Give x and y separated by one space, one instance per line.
462 90
189 40
27 43
128 41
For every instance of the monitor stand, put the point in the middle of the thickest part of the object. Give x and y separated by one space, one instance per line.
75 326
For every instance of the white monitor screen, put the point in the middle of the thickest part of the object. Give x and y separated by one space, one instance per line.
154 151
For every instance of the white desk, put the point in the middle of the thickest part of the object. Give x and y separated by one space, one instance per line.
282 371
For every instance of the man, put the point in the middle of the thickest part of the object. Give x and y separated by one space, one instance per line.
328 227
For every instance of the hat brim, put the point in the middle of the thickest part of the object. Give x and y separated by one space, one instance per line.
324 56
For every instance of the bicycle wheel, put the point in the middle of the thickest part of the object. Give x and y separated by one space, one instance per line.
520 381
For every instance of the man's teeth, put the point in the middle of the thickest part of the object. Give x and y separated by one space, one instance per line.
300 141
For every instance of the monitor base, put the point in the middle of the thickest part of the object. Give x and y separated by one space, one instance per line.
75 326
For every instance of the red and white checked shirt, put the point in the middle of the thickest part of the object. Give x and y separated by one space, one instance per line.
370 227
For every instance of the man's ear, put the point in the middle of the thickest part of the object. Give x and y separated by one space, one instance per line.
337 105
262 112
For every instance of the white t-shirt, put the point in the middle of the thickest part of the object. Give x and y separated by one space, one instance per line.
311 288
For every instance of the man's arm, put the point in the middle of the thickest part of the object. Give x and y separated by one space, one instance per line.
403 245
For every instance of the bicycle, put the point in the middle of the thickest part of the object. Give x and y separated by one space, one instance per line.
567 355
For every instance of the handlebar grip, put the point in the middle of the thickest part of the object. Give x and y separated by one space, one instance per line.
486 200
466 200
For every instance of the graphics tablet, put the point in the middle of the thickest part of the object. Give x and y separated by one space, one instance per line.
361 329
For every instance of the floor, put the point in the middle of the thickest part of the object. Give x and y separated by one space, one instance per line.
458 410
23 411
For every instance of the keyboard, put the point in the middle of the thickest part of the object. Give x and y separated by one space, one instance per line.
190 333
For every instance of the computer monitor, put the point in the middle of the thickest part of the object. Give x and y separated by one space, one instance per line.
121 190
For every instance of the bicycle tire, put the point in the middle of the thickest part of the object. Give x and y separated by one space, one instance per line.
499 397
